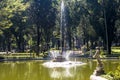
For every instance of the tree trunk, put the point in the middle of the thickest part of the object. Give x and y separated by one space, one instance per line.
9 45
38 40
106 30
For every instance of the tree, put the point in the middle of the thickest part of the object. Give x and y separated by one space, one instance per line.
79 23
110 15
9 10
103 17
43 16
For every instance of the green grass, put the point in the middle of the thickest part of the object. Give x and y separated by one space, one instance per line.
115 47
17 55
116 51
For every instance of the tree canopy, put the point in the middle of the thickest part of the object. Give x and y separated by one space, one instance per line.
36 24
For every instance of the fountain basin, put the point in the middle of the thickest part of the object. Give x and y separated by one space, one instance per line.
64 64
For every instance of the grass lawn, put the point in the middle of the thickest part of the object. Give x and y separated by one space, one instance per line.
116 49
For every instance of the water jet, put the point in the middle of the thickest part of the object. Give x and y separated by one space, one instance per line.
60 58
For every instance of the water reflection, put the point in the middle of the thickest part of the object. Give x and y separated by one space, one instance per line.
61 73
34 70
19 71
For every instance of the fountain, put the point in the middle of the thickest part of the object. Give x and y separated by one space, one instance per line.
60 58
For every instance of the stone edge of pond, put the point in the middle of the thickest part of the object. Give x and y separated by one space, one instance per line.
22 59
107 58
39 58
86 57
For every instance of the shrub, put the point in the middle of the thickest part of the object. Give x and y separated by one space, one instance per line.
115 74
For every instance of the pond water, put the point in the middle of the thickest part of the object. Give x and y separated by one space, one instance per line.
34 70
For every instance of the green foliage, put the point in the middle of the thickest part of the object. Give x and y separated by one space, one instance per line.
115 74
8 8
108 77
11 20
31 23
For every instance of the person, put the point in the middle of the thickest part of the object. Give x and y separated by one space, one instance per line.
97 56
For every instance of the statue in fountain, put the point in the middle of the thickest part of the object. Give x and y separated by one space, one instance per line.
99 69
97 56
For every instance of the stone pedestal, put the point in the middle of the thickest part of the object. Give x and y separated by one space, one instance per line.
97 74
99 71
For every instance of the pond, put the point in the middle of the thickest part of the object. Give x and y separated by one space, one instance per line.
34 70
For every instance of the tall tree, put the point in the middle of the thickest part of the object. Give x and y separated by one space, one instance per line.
103 19
8 10
110 15
43 16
